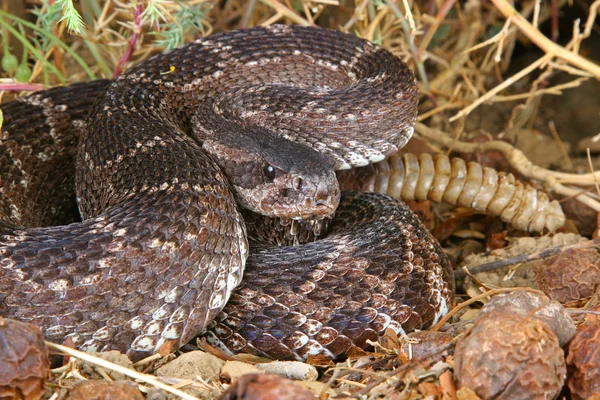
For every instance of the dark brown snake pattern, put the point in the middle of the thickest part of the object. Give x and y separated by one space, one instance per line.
260 118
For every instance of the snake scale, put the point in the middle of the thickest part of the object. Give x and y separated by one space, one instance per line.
165 162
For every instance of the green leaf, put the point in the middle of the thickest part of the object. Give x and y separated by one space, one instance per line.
9 63
35 52
70 14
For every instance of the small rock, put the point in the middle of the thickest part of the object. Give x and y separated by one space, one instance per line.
507 356
103 390
191 365
24 363
232 370
266 387
290 369
583 360
90 370
532 305
319 389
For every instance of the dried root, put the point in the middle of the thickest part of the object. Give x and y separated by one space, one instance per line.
455 182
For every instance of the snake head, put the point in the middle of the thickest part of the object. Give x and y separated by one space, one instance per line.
276 177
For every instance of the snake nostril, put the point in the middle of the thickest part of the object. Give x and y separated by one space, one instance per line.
298 184
322 194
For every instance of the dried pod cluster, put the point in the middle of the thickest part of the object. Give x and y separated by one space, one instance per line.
511 352
583 361
532 305
455 182
24 363
570 276
510 357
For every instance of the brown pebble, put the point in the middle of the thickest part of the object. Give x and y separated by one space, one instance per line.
24 363
104 390
266 387
570 276
583 361
510 357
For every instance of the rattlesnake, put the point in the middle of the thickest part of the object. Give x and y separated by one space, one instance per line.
171 151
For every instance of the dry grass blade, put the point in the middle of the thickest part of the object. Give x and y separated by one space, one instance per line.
544 43
475 61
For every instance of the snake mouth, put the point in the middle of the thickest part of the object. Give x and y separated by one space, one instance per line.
318 211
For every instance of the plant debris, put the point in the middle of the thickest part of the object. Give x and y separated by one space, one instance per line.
496 87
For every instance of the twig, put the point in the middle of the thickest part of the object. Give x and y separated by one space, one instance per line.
549 47
281 9
475 299
561 147
19 87
494 265
408 28
509 81
149 379
591 165
553 90
582 311
135 35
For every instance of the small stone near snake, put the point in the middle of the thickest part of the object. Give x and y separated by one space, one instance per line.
583 361
508 356
319 389
233 370
103 390
24 363
532 305
266 387
90 370
291 370
192 365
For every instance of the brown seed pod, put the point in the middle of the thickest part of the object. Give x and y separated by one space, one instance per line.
453 181
266 387
531 305
103 390
570 275
507 356
583 360
24 363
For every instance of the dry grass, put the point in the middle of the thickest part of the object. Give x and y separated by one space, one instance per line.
462 52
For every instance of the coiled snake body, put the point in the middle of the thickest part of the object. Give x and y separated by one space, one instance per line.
260 118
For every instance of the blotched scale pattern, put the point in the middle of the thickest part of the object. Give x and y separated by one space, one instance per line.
378 268
38 145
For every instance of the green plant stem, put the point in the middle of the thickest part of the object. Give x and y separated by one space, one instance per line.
411 44
50 37
33 50
100 61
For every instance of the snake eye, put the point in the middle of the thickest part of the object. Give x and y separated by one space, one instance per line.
270 172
